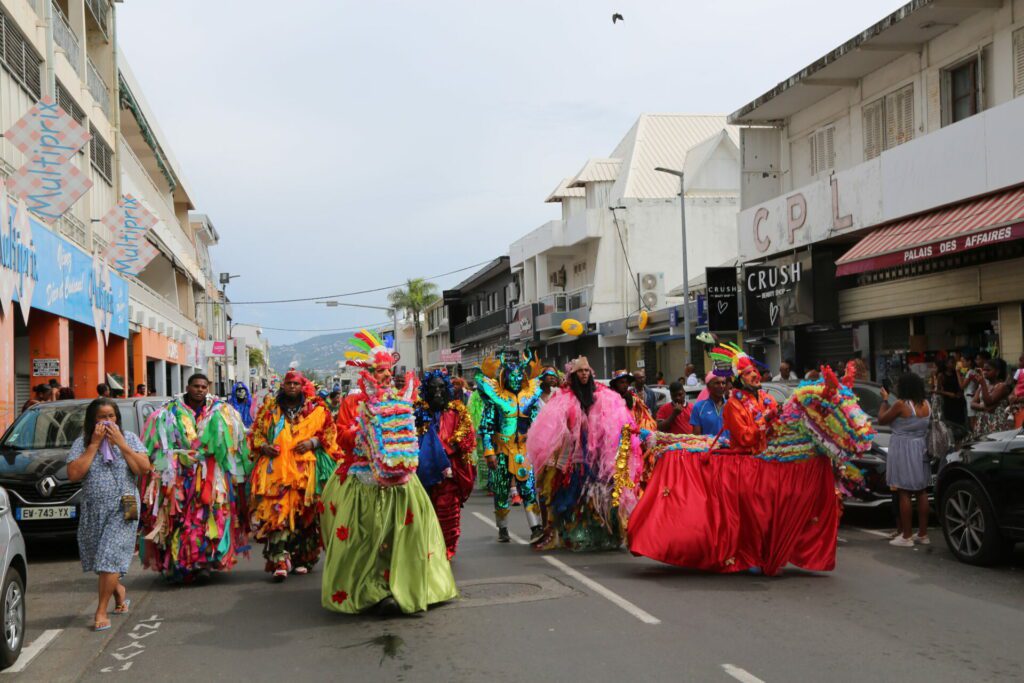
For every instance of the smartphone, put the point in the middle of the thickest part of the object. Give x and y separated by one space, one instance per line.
887 383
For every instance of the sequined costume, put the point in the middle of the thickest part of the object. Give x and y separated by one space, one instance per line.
510 404
446 443
383 541
193 512
285 489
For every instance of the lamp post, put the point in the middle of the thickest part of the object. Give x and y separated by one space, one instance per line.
334 303
686 269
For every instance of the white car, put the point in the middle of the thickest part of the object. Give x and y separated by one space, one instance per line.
12 588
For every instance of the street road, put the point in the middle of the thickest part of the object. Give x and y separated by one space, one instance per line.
885 614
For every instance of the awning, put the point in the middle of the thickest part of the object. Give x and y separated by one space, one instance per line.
961 227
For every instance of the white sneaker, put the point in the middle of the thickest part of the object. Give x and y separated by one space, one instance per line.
922 540
901 542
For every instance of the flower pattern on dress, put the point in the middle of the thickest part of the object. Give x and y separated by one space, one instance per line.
334 509
339 597
341 532
408 516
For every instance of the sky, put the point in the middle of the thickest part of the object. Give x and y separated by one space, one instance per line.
345 146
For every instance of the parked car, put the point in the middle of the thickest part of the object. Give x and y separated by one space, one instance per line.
12 586
33 455
980 490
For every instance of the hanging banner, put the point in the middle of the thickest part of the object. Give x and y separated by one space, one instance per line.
8 274
129 222
49 189
47 133
723 300
101 297
19 264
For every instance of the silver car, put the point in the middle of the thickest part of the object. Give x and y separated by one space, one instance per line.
15 577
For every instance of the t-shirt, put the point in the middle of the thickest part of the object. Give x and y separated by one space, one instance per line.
681 425
692 380
708 417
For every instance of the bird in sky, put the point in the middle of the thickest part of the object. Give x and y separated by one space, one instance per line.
616 18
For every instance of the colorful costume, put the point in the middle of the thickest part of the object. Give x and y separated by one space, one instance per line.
285 489
193 515
244 404
579 455
446 441
382 536
509 408
729 510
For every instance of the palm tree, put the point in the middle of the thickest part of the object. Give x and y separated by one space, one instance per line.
413 299
256 358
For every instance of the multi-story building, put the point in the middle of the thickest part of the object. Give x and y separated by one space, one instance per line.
616 249
478 314
883 192
436 343
252 356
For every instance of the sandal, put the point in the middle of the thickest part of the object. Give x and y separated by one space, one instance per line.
123 607
281 572
98 626
300 570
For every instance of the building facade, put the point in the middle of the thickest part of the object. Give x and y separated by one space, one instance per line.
479 313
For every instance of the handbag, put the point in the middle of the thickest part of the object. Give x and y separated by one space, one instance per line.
939 439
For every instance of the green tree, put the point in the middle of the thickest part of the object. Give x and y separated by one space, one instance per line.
256 358
413 299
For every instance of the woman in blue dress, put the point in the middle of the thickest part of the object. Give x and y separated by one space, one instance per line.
108 461
908 470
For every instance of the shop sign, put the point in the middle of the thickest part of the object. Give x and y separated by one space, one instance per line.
521 326
55 276
779 294
953 245
722 299
46 367
218 349
19 264
449 356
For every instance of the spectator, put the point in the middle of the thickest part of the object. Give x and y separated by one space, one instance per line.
640 388
690 373
117 393
659 379
947 386
65 394
459 385
908 470
992 400
549 381
814 374
140 390
861 367
102 390
1017 395
674 417
706 416
107 461
54 390
40 394
969 383
786 373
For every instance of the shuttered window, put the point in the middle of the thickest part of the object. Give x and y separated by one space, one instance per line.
1018 62
823 150
888 121
19 59
874 134
101 155
68 104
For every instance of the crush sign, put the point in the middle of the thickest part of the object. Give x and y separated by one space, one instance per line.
722 299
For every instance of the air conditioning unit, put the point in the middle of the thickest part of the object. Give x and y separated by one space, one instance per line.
652 290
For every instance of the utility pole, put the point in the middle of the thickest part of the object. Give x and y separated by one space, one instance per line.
686 269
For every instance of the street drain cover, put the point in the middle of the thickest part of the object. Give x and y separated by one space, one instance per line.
509 589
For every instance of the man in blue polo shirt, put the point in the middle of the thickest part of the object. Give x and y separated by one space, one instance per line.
706 416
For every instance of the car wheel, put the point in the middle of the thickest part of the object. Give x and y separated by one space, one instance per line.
13 593
969 524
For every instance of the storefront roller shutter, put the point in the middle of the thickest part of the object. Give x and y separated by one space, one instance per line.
834 347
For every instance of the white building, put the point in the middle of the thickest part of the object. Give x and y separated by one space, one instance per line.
247 339
887 174
617 246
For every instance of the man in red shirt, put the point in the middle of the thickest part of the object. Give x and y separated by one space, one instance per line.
674 417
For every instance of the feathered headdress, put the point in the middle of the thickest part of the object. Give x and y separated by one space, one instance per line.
735 360
371 352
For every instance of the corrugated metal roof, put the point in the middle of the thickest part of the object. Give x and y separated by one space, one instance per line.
563 191
664 140
597 170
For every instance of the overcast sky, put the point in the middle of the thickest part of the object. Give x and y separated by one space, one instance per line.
341 146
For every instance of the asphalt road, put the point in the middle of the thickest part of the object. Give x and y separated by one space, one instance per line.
885 614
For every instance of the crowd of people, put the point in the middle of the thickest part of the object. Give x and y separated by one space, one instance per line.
374 482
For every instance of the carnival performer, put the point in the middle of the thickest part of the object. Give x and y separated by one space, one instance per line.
749 412
621 383
241 401
384 544
193 508
579 444
447 442
293 438
510 404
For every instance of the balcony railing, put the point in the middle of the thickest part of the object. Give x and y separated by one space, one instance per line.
564 305
467 331
75 230
98 87
66 39
100 10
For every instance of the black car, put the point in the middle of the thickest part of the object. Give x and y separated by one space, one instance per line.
981 498
872 463
33 454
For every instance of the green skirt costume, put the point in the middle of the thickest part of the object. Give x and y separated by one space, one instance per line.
382 541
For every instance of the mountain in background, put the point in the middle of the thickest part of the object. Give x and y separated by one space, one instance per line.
320 353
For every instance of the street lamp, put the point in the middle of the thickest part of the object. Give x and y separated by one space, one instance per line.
686 269
334 303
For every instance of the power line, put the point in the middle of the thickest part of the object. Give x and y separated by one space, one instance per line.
289 329
338 296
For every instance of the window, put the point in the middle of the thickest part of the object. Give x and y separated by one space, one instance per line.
1018 62
888 121
823 150
19 58
101 156
68 104
963 88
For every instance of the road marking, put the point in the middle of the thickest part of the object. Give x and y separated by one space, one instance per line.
606 593
30 651
741 675
873 532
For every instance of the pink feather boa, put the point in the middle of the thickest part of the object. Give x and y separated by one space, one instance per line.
554 439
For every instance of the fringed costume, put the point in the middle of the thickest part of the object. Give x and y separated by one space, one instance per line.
285 488
193 516
383 541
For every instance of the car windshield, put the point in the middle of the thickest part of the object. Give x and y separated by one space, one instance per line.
870 398
47 427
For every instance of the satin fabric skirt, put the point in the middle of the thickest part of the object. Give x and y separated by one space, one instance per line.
381 542
730 512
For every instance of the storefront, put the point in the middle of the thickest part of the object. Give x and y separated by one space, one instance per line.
64 316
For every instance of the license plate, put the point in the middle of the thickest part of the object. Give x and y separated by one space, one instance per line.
49 512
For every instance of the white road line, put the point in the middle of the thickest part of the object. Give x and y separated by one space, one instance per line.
30 651
741 675
606 593
873 532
